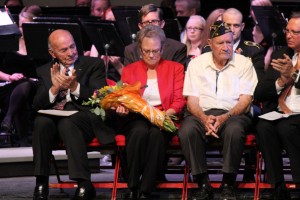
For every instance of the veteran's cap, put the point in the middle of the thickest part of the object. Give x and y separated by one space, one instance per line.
219 28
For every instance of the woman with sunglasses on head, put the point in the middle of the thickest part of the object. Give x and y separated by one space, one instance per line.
145 142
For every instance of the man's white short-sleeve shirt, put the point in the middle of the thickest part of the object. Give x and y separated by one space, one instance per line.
219 89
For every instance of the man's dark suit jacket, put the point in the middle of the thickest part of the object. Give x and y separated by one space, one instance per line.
90 74
253 51
172 50
266 89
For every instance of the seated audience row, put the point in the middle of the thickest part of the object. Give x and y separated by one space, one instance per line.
218 88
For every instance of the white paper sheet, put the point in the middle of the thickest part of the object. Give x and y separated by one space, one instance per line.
5 19
275 115
64 113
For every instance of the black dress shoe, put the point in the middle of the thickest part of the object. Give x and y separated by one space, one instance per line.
133 194
227 192
85 193
248 176
281 193
144 195
7 127
41 192
203 193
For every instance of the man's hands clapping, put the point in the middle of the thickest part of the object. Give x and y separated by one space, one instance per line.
284 66
60 81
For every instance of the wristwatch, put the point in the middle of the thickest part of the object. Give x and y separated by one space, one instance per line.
229 114
295 75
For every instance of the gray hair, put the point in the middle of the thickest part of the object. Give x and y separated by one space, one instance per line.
151 31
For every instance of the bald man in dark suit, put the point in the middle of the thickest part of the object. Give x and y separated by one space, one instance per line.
65 84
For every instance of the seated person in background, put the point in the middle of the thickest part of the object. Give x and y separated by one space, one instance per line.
169 4
82 3
14 97
64 84
186 8
12 3
258 36
146 143
21 67
98 7
172 49
115 64
219 86
279 91
194 29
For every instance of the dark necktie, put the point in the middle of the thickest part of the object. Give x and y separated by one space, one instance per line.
61 98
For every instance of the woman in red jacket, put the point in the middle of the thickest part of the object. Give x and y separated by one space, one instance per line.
146 143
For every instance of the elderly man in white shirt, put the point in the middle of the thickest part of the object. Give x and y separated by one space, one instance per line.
219 87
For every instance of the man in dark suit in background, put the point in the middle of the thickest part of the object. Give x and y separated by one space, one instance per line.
280 91
65 84
172 50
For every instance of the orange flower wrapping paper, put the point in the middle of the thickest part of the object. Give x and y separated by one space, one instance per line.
129 97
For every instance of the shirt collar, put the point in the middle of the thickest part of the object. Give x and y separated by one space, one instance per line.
61 68
236 44
295 58
211 63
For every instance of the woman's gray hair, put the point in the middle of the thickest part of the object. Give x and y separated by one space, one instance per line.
151 31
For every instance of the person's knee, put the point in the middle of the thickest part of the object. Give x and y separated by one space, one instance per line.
235 133
187 133
26 88
65 126
42 121
139 131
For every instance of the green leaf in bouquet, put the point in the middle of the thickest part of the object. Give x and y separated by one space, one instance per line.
120 83
102 114
97 111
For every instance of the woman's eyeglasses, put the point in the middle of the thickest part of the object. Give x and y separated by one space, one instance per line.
194 29
148 52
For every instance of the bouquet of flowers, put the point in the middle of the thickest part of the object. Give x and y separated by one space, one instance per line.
129 97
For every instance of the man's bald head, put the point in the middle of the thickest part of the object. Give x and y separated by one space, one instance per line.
62 47
58 34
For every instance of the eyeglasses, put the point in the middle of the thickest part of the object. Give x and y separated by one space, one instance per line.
292 32
155 52
154 22
194 29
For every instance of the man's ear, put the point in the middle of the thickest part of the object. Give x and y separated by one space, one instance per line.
243 26
162 23
209 41
51 53
140 26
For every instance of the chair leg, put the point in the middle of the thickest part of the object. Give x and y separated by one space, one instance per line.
56 172
258 175
185 183
116 174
